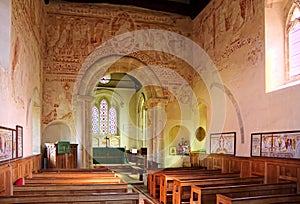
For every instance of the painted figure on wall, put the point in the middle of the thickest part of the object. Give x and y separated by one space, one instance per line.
2 146
221 147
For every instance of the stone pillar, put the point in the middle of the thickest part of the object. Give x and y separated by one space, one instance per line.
83 132
157 119
159 138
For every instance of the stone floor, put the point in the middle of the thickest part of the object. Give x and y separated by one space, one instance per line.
136 181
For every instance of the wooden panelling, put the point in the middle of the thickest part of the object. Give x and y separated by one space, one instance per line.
235 165
15 169
257 167
245 168
274 170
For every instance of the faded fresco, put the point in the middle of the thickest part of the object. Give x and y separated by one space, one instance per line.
73 32
229 28
26 50
24 74
232 34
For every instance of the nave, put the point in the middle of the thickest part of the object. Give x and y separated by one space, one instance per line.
220 179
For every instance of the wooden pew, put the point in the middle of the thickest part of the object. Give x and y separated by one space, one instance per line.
153 175
166 181
104 198
155 180
70 189
207 194
74 175
266 199
56 170
182 188
59 181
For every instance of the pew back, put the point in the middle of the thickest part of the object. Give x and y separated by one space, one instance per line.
75 181
166 183
182 188
69 189
267 199
207 194
111 198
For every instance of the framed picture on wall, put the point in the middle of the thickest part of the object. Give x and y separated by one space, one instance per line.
6 143
255 144
14 144
222 143
284 144
281 144
19 130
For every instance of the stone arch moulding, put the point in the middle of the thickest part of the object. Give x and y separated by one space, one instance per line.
112 50
83 96
117 98
57 131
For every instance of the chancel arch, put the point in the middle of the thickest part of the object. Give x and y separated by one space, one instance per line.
129 126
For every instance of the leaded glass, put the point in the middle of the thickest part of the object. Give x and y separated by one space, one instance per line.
113 121
103 117
294 43
95 120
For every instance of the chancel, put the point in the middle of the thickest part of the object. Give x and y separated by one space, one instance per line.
167 97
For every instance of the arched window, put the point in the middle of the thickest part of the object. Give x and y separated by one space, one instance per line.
282 43
104 119
293 43
95 120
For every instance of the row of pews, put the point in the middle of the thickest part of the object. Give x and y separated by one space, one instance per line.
73 186
201 186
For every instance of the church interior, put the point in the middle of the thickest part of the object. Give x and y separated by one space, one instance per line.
160 89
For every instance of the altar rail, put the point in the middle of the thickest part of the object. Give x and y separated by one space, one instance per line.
274 170
12 170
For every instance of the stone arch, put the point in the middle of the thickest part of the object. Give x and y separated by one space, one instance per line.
57 131
82 101
143 40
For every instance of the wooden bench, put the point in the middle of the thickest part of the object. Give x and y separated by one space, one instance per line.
153 177
59 181
70 189
56 170
207 194
166 181
266 199
74 175
155 181
102 198
182 188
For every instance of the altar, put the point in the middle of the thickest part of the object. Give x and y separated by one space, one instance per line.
109 155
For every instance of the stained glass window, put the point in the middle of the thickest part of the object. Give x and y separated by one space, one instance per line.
95 120
294 42
113 121
103 117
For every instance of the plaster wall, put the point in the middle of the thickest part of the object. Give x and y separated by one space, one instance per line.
232 33
23 75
